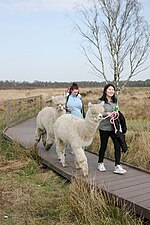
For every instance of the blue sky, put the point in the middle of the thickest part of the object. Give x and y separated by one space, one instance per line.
38 42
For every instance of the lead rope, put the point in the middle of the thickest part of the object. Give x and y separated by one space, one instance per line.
113 116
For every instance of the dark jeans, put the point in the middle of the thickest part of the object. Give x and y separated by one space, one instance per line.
104 136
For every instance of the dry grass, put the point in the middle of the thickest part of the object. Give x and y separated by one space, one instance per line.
29 196
12 164
92 206
138 153
133 102
32 195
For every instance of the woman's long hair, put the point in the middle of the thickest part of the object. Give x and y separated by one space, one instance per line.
104 98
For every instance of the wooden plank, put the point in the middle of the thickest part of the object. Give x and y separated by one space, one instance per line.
146 204
141 197
140 192
125 191
129 181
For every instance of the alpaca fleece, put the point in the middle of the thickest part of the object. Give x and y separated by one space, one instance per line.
46 119
77 133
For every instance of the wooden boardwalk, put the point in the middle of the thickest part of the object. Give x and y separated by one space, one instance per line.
132 188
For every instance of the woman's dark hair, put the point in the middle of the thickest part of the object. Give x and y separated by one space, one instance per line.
73 86
104 98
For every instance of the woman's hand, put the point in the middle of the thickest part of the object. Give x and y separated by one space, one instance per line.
109 114
69 110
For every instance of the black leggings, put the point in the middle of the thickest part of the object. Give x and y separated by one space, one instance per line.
104 136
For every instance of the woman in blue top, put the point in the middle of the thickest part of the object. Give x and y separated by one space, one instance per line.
74 104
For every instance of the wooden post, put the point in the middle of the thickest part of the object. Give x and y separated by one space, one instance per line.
7 113
19 108
27 106
34 100
40 102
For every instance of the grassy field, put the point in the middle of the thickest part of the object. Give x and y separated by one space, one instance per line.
32 194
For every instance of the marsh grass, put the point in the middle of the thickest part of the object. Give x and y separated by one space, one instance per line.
33 195
138 153
29 196
29 193
92 206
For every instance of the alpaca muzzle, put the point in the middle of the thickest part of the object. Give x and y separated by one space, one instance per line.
100 116
60 107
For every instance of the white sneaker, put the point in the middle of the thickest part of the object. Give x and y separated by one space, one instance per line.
101 167
119 169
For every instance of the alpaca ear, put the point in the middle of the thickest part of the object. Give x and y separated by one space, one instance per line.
89 105
50 100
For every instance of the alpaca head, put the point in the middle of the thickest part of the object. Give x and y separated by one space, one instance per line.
95 112
58 102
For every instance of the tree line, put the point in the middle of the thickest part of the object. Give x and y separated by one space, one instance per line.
48 84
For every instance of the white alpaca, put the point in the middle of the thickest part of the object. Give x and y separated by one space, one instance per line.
78 133
46 119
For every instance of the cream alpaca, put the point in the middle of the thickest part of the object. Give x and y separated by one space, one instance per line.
46 119
77 133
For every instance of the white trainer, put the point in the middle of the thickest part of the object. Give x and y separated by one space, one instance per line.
119 169
101 167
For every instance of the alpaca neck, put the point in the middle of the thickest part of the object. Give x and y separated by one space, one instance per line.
89 127
59 113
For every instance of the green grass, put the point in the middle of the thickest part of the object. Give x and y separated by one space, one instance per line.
33 195
29 193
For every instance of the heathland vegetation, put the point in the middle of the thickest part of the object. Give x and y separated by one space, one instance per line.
32 194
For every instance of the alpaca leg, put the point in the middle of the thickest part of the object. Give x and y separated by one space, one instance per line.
81 160
38 134
49 140
76 164
60 150
44 135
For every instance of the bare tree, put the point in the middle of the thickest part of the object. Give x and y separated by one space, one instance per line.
117 39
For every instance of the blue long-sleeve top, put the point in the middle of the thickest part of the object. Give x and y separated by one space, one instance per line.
75 103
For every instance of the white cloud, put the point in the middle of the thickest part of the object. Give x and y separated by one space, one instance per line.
39 5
